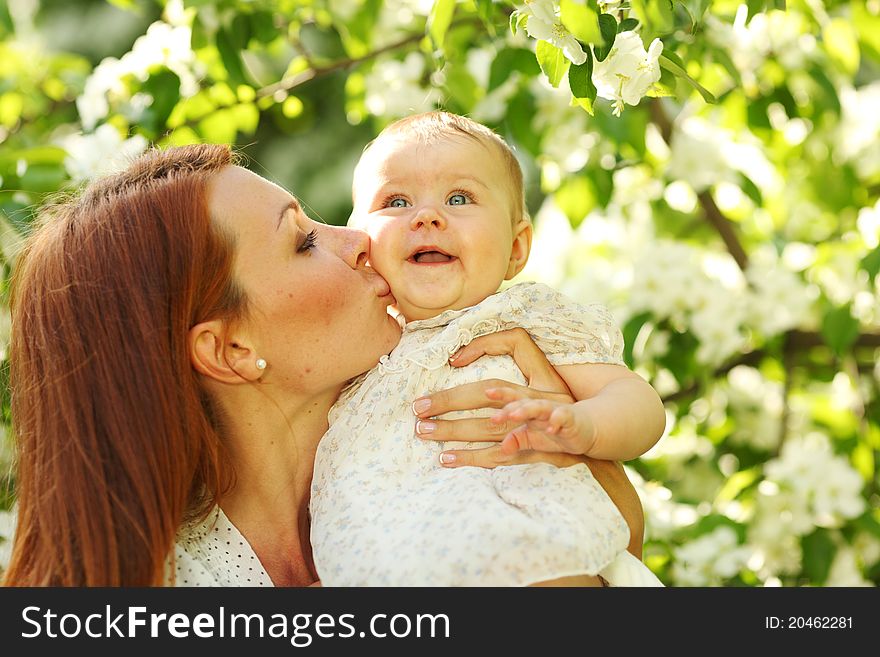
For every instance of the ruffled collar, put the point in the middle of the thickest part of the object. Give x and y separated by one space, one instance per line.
448 316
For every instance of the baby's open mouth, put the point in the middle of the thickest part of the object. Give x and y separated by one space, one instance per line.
430 256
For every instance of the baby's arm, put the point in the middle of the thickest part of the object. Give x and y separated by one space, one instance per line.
618 415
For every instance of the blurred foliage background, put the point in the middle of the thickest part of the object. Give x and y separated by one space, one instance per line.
717 188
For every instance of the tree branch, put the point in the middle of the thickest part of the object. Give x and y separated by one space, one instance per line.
795 342
288 83
723 225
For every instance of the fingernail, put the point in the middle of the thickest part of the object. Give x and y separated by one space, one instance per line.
423 426
419 406
455 355
446 459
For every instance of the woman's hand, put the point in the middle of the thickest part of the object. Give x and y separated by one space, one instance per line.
533 418
544 384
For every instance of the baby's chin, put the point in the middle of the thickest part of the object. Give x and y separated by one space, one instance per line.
411 313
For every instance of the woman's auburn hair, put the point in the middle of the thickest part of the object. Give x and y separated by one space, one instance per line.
116 444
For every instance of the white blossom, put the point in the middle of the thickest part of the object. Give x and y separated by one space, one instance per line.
710 559
704 155
846 570
162 45
781 556
779 299
628 72
99 153
544 24
808 467
755 404
394 88
869 225
858 139
663 515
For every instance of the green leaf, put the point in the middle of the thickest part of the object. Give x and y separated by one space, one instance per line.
751 190
520 112
6 24
581 20
630 332
575 197
841 42
199 37
840 329
439 20
220 127
819 550
230 54
463 89
871 263
42 178
164 87
676 69
868 27
263 26
656 16
608 27
627 25
552 61
755 7
580 79
509 60
736 484
518 20
696 9
356 33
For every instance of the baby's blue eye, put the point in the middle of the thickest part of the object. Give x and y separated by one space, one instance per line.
457 199
398 203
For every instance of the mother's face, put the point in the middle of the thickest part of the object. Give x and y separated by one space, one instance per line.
317 314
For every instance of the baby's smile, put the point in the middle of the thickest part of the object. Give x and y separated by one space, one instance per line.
431 255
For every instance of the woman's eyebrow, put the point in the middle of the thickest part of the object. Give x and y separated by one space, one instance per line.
293 205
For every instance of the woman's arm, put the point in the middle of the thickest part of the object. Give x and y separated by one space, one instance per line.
544 383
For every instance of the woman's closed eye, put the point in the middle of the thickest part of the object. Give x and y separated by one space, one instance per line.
460 198
309 241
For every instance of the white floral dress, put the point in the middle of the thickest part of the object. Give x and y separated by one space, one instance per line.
386 513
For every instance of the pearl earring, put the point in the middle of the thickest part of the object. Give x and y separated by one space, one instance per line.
260 364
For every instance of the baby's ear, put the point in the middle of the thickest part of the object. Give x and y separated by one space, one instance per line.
519 251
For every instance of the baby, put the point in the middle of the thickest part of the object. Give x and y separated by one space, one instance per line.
442 199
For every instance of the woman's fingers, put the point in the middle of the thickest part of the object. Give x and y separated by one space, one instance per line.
501 343
491 457
528 357
468 429
492 393
462 398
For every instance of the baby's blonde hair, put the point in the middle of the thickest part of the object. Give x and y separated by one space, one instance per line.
430 127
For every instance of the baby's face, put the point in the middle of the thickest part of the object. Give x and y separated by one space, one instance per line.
439 217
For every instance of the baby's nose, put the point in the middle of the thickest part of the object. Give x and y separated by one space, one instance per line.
428 216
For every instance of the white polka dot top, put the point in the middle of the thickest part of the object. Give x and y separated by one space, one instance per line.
214 553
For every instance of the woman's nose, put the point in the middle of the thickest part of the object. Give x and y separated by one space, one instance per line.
427 217
353 245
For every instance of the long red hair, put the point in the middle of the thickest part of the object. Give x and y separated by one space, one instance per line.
115 442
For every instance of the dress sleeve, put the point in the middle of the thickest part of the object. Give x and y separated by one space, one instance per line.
568 332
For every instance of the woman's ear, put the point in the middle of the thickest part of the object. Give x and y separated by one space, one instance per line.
519 252
218 355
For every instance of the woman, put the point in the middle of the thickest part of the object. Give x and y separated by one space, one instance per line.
179 333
